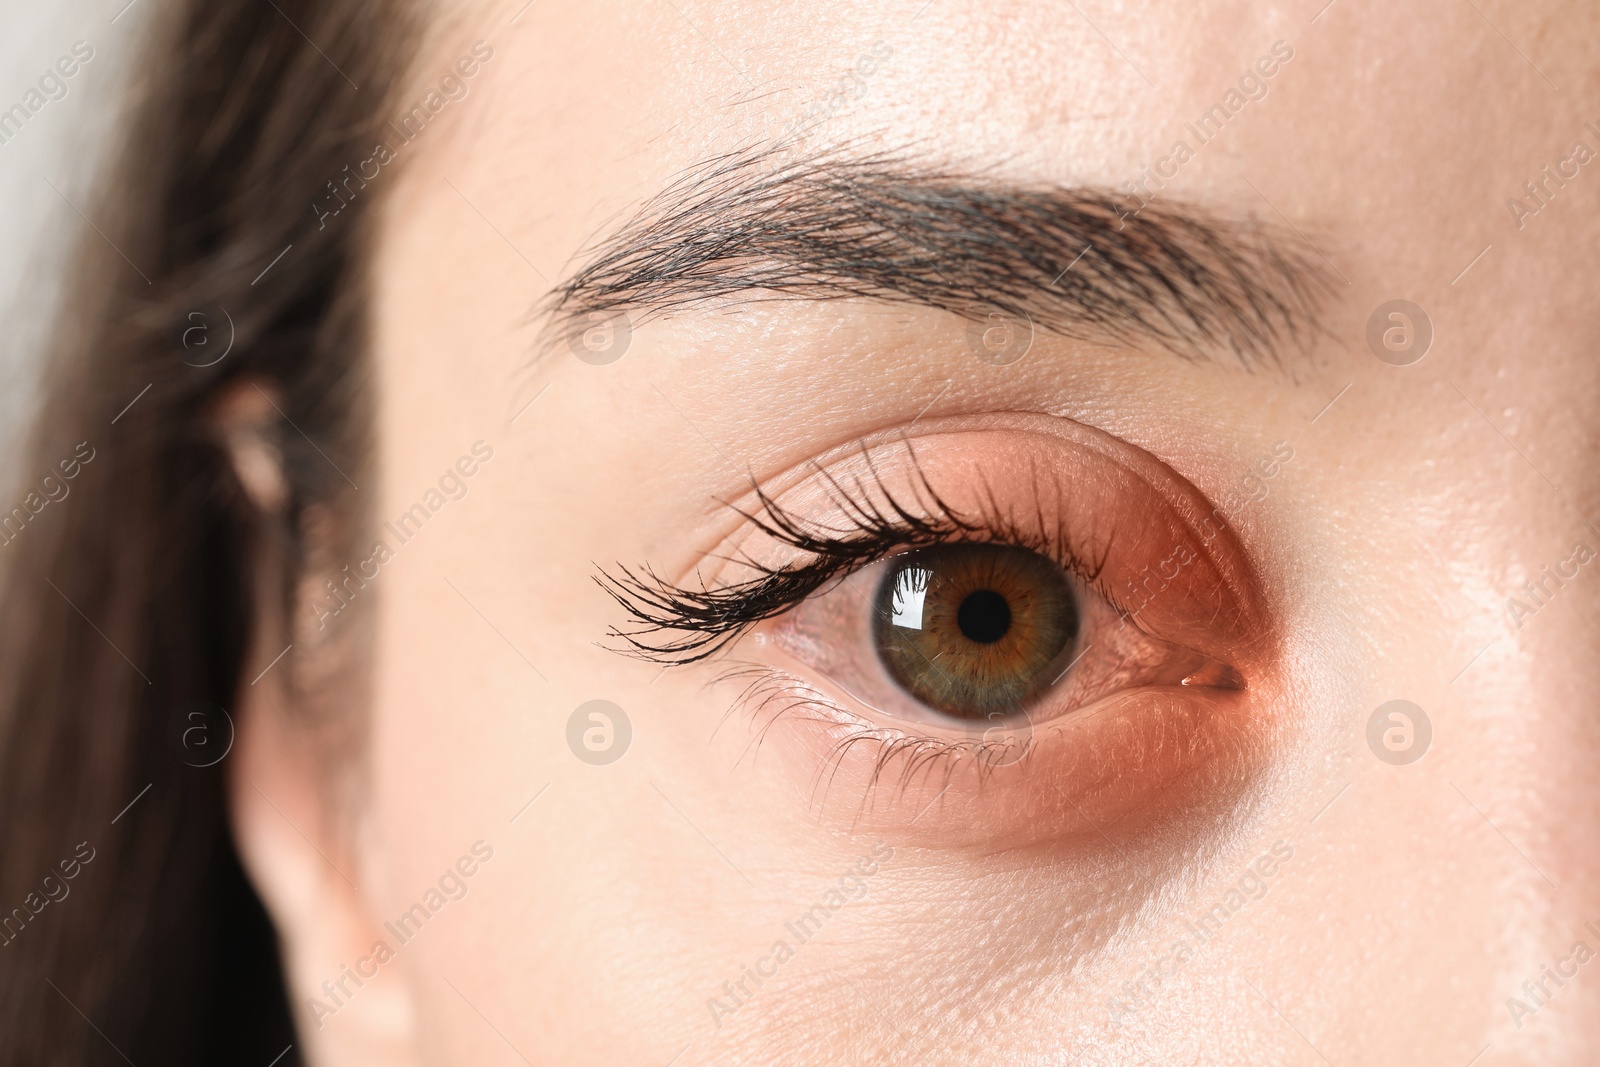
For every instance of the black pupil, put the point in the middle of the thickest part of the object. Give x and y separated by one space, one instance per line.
984 616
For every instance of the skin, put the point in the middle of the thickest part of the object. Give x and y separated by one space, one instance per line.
1417 898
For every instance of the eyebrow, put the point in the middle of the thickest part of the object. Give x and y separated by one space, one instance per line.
1083 263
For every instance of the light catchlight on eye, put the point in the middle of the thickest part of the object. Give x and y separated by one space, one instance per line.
910 589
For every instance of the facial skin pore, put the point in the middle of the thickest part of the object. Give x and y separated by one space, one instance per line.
1210 875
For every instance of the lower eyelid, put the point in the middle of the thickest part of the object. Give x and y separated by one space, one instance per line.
1114 764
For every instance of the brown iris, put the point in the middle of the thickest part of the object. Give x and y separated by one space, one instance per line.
975 630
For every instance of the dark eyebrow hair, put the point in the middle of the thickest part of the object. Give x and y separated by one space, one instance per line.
1079 262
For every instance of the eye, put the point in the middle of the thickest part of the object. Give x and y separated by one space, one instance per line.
974 631
985 644
1041 628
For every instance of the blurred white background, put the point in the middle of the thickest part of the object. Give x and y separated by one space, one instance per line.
59 145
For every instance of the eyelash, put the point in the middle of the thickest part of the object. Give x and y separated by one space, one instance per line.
766 686
706 620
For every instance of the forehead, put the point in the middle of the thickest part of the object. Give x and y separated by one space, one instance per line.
1387 140
614 98
1380 133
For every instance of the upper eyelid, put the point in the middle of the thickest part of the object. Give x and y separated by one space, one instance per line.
1065 488
652 600
704 618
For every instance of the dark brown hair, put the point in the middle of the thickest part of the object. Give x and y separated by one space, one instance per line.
131 598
